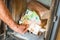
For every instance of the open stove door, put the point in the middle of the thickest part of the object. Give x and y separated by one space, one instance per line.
18 8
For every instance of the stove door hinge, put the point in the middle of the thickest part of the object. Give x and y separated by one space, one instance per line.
55 18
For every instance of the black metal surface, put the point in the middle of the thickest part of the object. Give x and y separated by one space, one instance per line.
2 30
1 36
52 23
56 24
12 37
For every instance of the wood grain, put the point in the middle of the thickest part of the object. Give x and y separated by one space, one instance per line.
18 8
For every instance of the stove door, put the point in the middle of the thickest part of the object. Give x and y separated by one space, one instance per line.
18 8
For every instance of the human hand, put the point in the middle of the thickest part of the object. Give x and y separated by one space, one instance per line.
22 28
